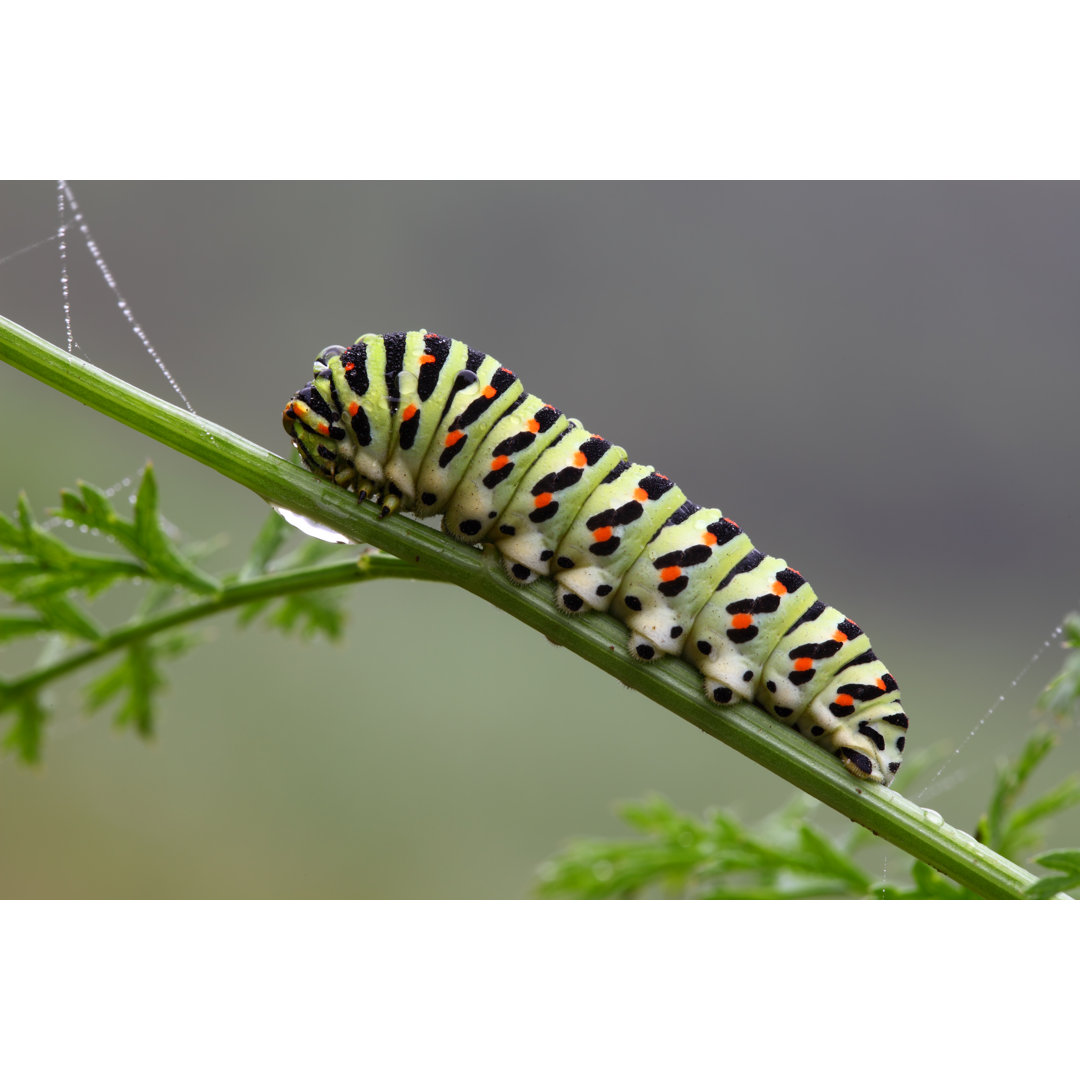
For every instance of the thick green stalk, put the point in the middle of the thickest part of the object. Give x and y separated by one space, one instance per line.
598 638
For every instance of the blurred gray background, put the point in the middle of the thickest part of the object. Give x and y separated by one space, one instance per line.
878 381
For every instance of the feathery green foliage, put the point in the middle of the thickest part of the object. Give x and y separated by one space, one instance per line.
714 857
51 583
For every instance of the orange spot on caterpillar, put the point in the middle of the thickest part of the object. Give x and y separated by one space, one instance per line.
300 408
881 684
641 495
839 636
804 663
732 521
844 700
542 499
323 428
741 622
489 391
708 538
533 426
670 573
349 366
499 462
354 408
427 358
428 337
779 588
579 460
409 412
602 534
454 437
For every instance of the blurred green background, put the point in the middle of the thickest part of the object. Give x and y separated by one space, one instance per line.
878 381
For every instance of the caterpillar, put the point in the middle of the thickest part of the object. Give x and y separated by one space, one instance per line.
423 423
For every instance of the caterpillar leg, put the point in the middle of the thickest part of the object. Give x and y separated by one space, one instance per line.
344 477
643 648
720 692
518 573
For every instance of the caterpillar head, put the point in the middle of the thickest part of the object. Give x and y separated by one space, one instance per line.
314 425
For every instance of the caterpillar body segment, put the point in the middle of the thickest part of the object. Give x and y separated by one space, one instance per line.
425 424
483 494
609 533
549 499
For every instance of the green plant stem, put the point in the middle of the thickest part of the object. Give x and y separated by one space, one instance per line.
597 638
266 587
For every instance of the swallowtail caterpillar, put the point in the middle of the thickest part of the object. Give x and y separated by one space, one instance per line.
425 424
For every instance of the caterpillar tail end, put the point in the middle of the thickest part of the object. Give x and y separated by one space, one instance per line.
865 762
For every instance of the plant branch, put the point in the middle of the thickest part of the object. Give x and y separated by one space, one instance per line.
232 595
598 638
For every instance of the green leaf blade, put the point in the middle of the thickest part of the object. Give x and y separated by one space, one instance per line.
24 737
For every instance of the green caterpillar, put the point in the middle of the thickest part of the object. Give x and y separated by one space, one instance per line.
425 424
